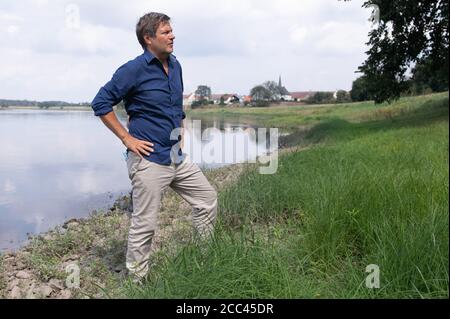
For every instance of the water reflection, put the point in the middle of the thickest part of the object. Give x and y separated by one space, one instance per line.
54 165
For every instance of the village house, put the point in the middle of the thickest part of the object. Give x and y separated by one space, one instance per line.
225 98
188 99
301 96
284 93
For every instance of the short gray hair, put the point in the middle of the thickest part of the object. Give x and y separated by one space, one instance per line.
148 24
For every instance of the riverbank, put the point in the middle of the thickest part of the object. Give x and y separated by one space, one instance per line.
370 186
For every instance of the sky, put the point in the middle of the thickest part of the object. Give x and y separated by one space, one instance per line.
67 49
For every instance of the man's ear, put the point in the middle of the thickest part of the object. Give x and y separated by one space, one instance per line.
147 39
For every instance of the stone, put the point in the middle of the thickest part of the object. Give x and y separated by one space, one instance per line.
11 275
14 283
20 265
56 284
45 291
8 259
15 293
65 294
32 293
71 223
23 275
9 255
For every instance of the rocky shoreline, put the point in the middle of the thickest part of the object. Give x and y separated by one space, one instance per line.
95 246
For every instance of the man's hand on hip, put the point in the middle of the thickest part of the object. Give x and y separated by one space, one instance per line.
138 147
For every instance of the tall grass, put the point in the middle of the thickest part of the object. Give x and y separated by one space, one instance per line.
373 192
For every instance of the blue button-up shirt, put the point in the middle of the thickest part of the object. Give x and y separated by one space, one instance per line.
153 101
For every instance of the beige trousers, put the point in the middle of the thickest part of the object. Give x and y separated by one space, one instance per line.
149 180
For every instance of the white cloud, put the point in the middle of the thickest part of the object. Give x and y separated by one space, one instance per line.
231 45
342 37
298 35
12 29
90 39
9 187
40 3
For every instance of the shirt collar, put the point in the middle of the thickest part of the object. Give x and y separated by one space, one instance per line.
149 57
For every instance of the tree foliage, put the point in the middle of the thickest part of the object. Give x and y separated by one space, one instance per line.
408 33
260 93
321 98
274 89
342 96
265 93
360 91
204 92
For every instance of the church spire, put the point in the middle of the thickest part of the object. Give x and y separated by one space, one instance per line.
279 81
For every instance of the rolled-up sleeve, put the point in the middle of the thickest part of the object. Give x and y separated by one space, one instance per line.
114 91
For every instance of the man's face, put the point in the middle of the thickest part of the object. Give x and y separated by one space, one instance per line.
162 43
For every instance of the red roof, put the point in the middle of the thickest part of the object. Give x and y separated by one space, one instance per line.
218 96
301 95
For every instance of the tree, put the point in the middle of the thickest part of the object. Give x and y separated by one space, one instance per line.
204 92
360 91
342 96
408 33
274 89
261 95
425 78
321 97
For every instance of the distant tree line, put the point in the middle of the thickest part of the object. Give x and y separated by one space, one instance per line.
43 105
340 96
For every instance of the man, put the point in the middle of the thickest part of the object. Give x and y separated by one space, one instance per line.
151 87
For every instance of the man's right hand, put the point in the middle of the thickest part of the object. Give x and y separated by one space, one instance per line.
138 147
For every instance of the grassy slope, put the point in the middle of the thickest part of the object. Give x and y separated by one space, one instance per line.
292 117
374 191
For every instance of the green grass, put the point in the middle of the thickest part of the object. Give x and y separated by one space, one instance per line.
244 265
292 117
373 190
